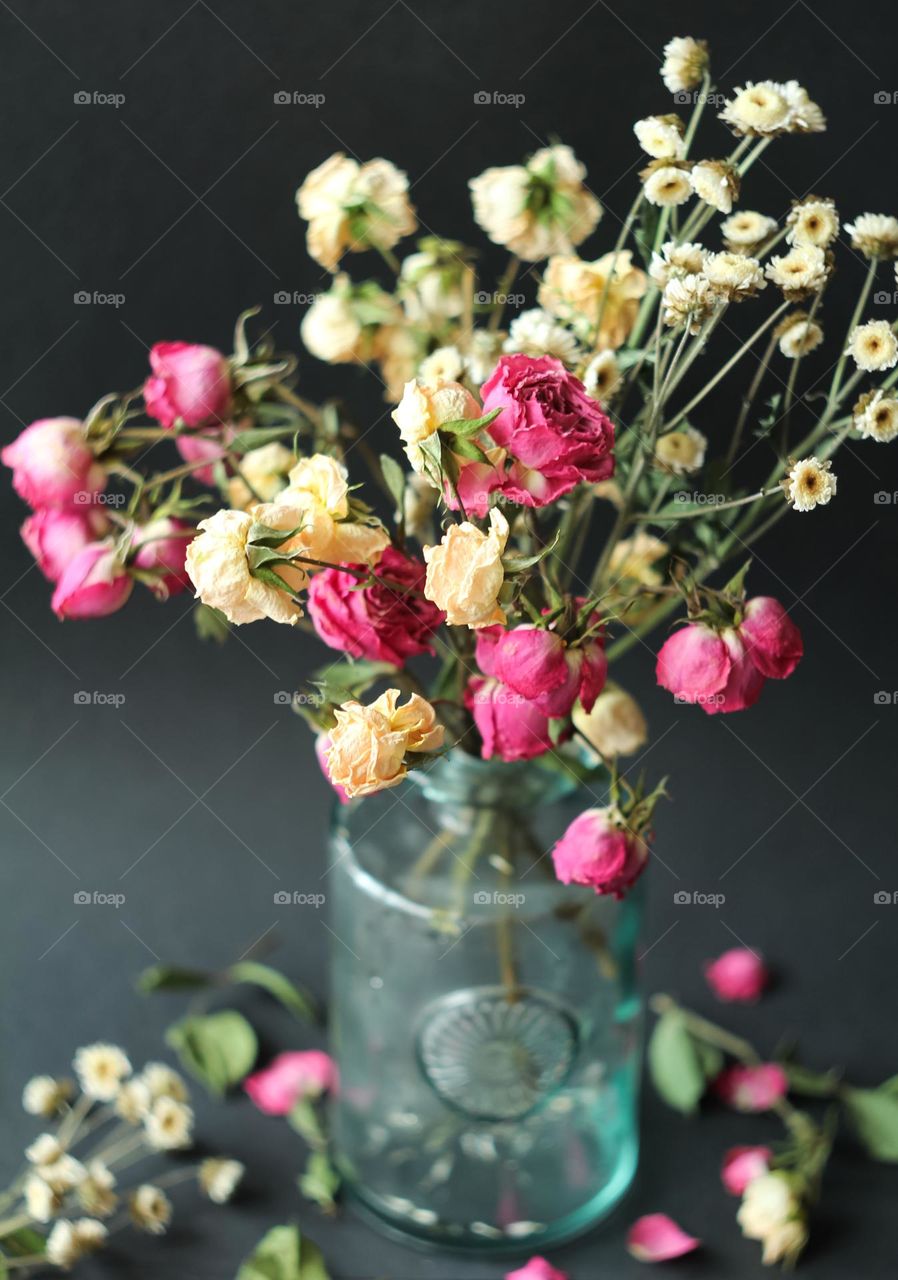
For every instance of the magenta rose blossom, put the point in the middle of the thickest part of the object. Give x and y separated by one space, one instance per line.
739 974
54 536
202 447
536 1269
53 465
476 481
537 664
657 1238
741 1165
726 670
289 1079
160 548
555 434
752 1088
597 850
387 621
190 383
510 726
93 584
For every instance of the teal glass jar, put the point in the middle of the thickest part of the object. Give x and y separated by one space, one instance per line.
486 1019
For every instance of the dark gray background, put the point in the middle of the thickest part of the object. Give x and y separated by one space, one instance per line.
199 797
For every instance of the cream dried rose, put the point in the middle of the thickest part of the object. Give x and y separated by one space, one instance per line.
465 574
574 290
218 565
263 474
424 409
367 746
331 330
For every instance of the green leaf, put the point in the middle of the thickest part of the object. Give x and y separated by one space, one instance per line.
283 1254
167 977
244 441
469 426
210 624
344 680
24 1243
874 1117
304 1120
675 1064
736 584
517 564
277 985
320 1181
262 535
218 1049
464 448
394 478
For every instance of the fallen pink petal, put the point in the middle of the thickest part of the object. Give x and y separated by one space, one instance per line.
536 1269
657 1238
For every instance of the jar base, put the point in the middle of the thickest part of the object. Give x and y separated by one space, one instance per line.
482 1240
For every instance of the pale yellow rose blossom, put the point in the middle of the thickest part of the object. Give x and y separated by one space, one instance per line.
423 409
574 290
368 744
218 566
331 330
350 207
263 474
615 726
465 574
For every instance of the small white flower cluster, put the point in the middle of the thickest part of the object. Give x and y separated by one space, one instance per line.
141 1113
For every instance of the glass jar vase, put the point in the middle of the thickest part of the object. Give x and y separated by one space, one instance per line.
485 1018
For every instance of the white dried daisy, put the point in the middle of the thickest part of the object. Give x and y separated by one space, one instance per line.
813 221
873 346
876 417
875 235
63 1174
484 349
69 1242
681 452
601 377
95 1193
801 271
688 300
805 115
747 228
734 275
44 1095
446 364
798 335
757 110
685 62
100 1069
661 137
809 484
164 1082
169 1125
715 182
150 1209
218 1178
537 333
132 1102
676 260
41 1201
666 185
46 1149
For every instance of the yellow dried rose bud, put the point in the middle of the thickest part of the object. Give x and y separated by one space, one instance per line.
615 726
319 483
263 474
424 409
219 568
465 574
367 746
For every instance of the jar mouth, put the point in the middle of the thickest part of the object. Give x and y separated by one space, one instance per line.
518 784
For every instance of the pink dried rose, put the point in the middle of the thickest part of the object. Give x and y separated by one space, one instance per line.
598 850
739 974
741 1165
54 536
725 670
388 620
160 548
536 1269
657 1238
556 435
510 726
752 1088
93 584
190 383
537 664
289 1079
53 465
475 483
203 447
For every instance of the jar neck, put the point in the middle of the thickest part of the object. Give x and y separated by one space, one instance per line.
465 780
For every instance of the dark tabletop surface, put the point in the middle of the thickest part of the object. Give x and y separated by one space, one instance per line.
194 794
